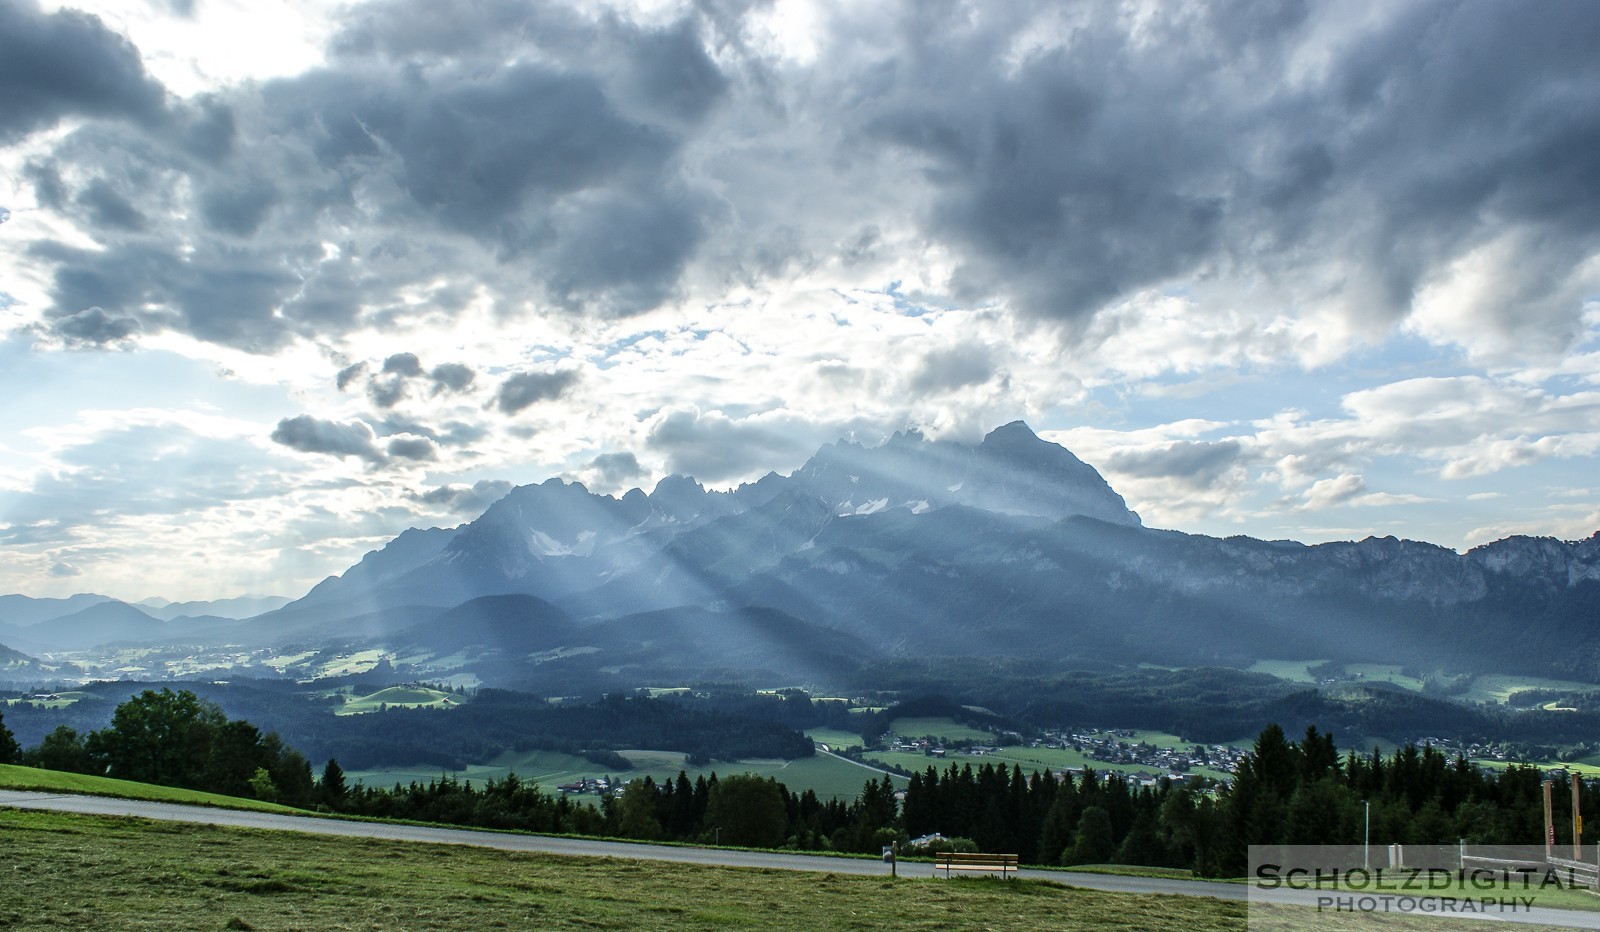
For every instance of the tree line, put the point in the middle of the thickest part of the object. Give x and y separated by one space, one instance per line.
176 739
1283 792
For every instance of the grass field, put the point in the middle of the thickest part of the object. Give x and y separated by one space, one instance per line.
834 738
1588 767
1295 671
943 728
826 776
1384 673
61 700
78 871
13 777
399 697
1497 687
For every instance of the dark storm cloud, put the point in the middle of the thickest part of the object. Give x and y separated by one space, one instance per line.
1194 463
713 447
313 435
406 365
449 433
1087 172
108 209
67 63
350 374
527 388
93 327
452 376
466 499
559 178
957 367
659 71
386 392
238 207
1063 159
416 449
616 469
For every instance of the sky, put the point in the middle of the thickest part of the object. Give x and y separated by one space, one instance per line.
281 278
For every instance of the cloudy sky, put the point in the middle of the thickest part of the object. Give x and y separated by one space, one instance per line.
281 278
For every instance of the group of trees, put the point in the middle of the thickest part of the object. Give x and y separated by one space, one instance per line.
752 811
178 739
1283 792
1304 793
10 751
741 809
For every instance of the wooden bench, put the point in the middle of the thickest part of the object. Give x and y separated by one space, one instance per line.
1006 864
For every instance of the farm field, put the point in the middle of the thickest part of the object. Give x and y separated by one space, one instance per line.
828 777
1384 673
943 728
61 700
1295 671
401 697
95 872
1497 687
1588 767
834 738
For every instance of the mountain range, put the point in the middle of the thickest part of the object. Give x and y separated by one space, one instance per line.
1011 547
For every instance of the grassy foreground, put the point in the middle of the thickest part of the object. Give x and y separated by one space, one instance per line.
73 871
13 777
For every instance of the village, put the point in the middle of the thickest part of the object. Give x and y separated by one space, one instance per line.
1143 762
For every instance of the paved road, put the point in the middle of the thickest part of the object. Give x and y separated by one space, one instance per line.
720 857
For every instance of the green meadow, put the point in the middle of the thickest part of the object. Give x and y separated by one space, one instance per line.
828 777
943 728
835 738
399 697
75 871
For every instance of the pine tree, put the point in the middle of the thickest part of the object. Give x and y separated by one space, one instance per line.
10 751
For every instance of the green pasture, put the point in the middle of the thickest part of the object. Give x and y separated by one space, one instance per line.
1498 687
1588 767
1384 673
828 777
945 729
399 697
61 700
835 738
1295 671
90 872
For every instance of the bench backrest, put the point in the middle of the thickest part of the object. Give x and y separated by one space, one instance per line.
967 857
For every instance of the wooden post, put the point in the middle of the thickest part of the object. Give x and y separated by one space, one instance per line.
1549 824
1577 822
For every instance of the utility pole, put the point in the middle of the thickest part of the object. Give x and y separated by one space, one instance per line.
1549 824
1366 838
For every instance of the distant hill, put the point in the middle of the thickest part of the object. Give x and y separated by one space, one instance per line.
19 668
101 623
242 607
19 611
